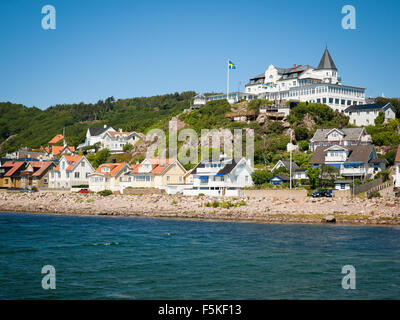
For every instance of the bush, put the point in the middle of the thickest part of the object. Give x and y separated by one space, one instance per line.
261 176
384 174
34 189
105 193
128 147
374 194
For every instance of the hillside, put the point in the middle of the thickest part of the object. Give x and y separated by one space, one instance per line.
33 127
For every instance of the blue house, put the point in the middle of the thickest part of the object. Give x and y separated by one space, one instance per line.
279 179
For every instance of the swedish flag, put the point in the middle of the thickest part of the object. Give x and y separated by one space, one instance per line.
232 65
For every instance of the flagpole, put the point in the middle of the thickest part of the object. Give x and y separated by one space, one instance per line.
227 84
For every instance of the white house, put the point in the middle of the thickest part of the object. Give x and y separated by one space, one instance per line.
116 140
343 184
95 135
396 176
108 176
297 172
220 177
71 170
340 137
307 84
365 115
351 161
199 101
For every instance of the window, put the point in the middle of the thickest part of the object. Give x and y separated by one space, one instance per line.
63 165
324 100
180 179
331 100
343 101
83 163
77 175
336 101
45 180
168 178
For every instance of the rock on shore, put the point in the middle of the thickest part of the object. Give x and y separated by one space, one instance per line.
261 209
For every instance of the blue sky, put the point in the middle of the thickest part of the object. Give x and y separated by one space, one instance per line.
133 48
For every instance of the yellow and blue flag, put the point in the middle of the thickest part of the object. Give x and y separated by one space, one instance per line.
232 65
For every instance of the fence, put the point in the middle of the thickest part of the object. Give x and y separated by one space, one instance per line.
375 185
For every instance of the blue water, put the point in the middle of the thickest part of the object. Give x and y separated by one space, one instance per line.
140 258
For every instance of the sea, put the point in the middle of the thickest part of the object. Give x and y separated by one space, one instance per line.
95 257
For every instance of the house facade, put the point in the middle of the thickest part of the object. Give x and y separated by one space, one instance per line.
340 137
396 176
365 115
220 177
155 173
70 171
116 140
108 176
10 174
351 161
95 135
297 172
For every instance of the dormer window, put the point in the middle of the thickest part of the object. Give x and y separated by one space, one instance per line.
105 169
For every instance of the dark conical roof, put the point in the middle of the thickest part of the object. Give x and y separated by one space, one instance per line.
326 61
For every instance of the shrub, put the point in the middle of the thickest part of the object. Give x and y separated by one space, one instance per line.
374 194
34 189
105 193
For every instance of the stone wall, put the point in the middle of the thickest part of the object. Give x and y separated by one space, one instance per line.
144 191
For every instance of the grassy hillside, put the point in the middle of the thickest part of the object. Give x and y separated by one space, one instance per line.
34 127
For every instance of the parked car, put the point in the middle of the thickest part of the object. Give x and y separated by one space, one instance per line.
323 193
85 191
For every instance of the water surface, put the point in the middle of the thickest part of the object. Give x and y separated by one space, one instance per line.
142 258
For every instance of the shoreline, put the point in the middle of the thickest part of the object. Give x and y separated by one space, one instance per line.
310 221
378 212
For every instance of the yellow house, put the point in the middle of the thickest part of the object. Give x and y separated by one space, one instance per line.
10 174
155 173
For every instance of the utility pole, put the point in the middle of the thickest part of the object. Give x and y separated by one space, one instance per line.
290 163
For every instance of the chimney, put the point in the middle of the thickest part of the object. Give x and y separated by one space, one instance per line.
105 126
120 130
294 66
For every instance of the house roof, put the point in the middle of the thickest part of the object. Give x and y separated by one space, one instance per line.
30 154
358 153
57 138
367 107
349 134
72 161
15 166
41 167
95 131
56 150
343 181
114 168
295 167
118 133
157 165
397 159
225 170
327 61
281 176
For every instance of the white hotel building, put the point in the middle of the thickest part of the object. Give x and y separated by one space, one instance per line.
307 84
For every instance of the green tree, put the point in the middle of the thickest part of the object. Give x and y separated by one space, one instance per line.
128 147
380 119
100 158
261 177
313 177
